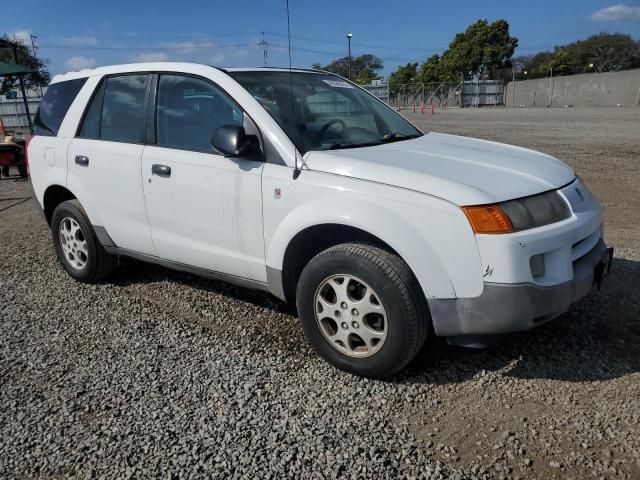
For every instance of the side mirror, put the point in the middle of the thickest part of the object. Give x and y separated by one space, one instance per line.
232 141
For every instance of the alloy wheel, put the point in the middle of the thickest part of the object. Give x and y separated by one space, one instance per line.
350 315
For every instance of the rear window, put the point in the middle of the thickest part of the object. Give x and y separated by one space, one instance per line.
54 106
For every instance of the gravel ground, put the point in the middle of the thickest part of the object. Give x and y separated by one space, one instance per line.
163 374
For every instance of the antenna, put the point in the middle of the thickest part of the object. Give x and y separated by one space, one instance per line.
296 169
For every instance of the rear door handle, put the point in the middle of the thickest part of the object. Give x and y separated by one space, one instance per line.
82 160
161 170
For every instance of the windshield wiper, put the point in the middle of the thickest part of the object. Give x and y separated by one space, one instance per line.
338 146
397 136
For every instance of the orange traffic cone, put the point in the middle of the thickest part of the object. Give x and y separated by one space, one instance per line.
431 109
422 108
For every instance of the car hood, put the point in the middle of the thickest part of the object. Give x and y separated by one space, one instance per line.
465 171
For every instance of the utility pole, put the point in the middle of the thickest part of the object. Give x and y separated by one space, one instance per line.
265 54
551 87
349 35
34 49
33 44
513 87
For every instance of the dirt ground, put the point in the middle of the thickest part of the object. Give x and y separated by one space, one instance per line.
162 374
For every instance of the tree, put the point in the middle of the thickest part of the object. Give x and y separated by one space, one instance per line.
598 53
430 71
404 74
483 50
364 68
40 78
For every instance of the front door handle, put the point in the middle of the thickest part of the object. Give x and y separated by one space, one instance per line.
82 160
161 170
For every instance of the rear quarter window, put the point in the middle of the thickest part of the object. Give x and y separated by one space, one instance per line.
54 106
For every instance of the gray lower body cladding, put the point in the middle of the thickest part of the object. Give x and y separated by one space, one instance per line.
504 308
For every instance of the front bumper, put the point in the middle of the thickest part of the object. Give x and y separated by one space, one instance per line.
504 308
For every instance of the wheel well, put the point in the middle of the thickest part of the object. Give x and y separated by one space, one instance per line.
309 242
54 196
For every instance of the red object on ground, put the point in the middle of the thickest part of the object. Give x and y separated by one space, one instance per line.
7 159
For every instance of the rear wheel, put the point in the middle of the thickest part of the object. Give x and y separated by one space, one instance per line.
77 246
362 309
5 171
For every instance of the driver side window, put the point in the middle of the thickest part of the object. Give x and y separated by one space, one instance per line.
189 110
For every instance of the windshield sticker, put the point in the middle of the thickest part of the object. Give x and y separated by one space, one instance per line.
338 83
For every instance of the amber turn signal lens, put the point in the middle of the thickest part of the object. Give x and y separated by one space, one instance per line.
488 219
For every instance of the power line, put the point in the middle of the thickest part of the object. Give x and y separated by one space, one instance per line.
262 44
193 36
364 45
155 47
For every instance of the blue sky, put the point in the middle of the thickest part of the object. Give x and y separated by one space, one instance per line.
81 34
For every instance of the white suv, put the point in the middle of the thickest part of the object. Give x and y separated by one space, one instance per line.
302 184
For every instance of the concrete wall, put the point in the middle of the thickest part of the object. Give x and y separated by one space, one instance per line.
585 90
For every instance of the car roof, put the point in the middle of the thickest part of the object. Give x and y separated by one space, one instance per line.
164 66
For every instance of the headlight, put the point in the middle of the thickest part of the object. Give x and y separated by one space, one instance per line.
520 214
536 211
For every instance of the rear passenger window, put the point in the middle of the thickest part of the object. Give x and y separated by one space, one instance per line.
54 106
190 110
122 117
117 110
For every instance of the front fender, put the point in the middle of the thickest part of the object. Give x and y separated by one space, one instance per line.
432 235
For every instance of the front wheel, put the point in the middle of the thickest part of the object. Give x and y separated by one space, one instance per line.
77 246
362 309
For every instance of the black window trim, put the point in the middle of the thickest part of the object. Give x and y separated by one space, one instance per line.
100 90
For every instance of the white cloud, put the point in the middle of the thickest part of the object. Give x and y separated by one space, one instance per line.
23 36
218 58
188 46
151 57
617 13
79 41
80 63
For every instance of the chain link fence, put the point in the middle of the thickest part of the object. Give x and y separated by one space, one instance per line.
472 93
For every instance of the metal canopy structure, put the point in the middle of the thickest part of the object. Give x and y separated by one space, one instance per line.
15 69
7 69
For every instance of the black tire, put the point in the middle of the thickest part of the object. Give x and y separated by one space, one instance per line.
99 264
5 171
393 282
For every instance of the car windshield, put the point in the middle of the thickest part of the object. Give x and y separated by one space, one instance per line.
326 112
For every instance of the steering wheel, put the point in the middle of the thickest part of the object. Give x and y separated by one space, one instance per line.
328 125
